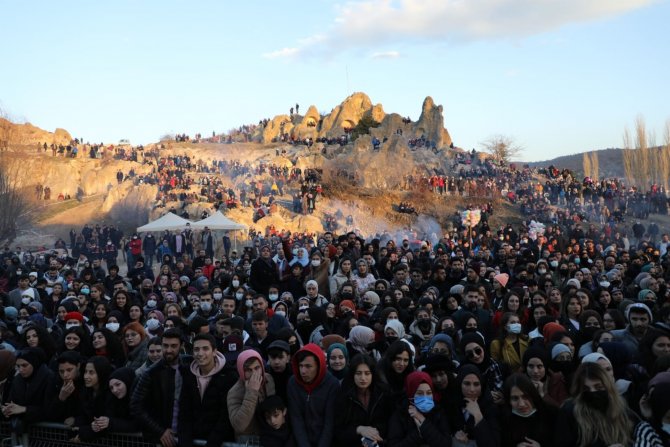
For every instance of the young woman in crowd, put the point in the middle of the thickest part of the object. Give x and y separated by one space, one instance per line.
418 421
527 419
509 347
596 415
362 408
92 422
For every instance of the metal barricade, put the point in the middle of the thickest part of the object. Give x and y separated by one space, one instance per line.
47 434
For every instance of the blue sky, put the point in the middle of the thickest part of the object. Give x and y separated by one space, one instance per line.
559 76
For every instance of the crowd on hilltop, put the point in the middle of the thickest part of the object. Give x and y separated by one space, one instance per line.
537 334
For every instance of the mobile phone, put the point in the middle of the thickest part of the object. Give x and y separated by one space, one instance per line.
367 442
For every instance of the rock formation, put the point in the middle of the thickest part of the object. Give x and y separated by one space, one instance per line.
27 134
347 115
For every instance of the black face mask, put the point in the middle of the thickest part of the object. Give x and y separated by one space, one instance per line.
564 367
598 400
391 340
587 333
347 296
367 305
423 324
450 332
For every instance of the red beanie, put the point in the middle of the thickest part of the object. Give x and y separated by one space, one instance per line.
550 329
74 316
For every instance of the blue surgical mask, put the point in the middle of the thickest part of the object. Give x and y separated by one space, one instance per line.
424 403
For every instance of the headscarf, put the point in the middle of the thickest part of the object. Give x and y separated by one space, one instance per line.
416 378
35 356
396 326
125 375
302 260
342 373
360 337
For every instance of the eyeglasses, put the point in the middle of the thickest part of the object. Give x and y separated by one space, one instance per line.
473 353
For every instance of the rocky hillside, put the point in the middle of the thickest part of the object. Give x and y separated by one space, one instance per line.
359 179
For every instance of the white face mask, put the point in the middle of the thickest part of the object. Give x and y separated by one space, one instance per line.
153 324
554 264
206 306
71 325
542 271
273 296
249 303
524 415
151 303
604 284
316 262
303 308
235 283
295 252
112 326
239 296
217 296
281 313
25 300
514 328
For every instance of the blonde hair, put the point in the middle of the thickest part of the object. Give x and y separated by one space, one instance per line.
611 427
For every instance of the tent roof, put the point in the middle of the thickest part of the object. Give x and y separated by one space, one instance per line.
218 221
169 221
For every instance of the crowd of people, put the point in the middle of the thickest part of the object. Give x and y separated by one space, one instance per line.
529 336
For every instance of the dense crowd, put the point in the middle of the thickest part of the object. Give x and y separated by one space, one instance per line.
536 335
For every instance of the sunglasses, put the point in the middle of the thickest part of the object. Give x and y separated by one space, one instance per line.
474 352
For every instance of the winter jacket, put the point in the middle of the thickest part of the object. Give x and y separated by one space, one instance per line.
33 393
203 413
350 413
153 399
242 401
263 274
403 432
505 353
311 406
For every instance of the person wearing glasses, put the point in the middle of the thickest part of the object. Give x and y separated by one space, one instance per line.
473 348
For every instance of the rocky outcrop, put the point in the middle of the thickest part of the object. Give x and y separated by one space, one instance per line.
27 134
430 124
274 128
347 115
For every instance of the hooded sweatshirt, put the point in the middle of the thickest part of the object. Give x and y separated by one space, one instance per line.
203 379
311 405
242 400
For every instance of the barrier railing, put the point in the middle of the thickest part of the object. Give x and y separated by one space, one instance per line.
47 434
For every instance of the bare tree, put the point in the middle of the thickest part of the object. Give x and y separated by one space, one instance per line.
13 206
7 131
627 156
502 147
595 166
586 164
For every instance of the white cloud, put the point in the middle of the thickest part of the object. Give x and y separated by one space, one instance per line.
283 53
372 23
385 55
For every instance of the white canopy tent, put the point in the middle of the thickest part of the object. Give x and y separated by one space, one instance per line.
218 221
170 221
